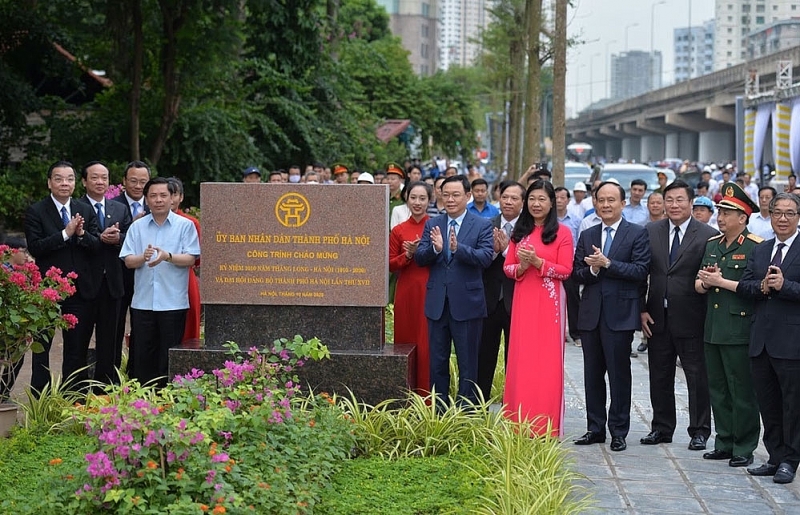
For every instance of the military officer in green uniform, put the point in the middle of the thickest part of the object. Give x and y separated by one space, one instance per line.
727 330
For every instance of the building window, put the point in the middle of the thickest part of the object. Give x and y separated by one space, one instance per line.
759 20
426 10
746 8
425 31
760 8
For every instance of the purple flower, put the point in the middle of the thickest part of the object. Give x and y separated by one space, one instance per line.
210 476
197 438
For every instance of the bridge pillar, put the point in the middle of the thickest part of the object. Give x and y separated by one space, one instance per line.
631 149
687 146
652 148
613 150
716 146
671 145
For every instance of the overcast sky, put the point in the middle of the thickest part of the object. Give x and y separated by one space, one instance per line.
603 25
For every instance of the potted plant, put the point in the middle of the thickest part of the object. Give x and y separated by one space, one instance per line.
29 314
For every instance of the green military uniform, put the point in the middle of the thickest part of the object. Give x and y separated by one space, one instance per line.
726 336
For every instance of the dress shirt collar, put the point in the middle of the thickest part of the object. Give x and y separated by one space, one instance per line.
131 201
683 227
503 221
459 219
788 242
59 205
614 226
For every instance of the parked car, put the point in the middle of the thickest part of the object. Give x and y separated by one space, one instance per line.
626 173
575 172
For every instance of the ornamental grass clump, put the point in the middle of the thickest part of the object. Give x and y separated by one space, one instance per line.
239 439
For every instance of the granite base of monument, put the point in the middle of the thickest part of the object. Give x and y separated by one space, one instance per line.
371 376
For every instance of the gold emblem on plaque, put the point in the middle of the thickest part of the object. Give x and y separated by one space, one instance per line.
292 210
729 191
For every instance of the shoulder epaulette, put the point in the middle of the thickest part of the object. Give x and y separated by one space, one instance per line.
715 237
755 237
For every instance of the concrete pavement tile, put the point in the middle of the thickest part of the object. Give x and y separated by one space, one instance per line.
662 504
666 488
709 492
734 480
781 494
594 471
790 509
734 507
658 472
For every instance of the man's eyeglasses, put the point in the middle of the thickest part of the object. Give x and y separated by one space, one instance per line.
783 214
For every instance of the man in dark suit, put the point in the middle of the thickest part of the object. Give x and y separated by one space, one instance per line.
674 317
136 175
64 234
611 261
113 220
499 288
457 246
772 277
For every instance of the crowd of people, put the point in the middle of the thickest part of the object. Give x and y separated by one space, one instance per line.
476 264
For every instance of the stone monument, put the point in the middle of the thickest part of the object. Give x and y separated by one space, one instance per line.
308 259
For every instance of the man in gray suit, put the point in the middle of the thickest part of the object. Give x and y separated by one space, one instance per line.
673 318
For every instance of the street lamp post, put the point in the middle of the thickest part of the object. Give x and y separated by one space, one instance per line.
652 38
627 28
591 77
608 75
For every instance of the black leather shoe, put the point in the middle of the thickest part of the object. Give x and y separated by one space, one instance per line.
618 443
717 454
784 475
642 347
590 438
698 443
740 461
656 437
767 469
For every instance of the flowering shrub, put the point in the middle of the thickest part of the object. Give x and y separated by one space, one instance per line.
29 309
236 440
114 190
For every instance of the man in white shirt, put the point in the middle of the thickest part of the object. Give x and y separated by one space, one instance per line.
749 187
760 223
575 206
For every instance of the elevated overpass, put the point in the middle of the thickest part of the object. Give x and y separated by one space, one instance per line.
693 120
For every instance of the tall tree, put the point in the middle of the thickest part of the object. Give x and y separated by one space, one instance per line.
532 137
559 91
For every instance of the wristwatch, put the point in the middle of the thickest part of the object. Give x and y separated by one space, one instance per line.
607 263
169 259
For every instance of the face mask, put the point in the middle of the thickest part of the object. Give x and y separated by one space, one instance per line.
312 182
294 178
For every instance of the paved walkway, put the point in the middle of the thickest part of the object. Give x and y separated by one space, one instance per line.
666 478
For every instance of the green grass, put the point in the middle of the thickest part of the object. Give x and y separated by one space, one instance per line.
405 486
25 460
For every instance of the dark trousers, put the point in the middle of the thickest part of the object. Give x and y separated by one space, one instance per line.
777 383
497 324
124 305
607 351
103 317
465 336
76 345
154 333
573 291
733 399
663 349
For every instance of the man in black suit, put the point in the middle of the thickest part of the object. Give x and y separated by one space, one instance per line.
113 220
64 234
674 318
611 261
137 173
499 289
772 277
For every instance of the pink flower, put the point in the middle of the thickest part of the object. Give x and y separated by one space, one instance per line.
70 319
51 295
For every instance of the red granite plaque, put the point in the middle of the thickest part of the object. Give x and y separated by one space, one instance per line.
295 244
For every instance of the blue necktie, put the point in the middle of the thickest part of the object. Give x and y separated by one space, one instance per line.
101 218
447 253
136 207
676 244
64 216
609 239
777 259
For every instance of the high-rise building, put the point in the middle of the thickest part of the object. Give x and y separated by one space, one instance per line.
773 38
634 73
460 25
736 19
415 23
694 51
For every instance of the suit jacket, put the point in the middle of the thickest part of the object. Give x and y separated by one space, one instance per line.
127 273
43 226
687 308
124 200
459 281
495 280
107 260
775 325
616 288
